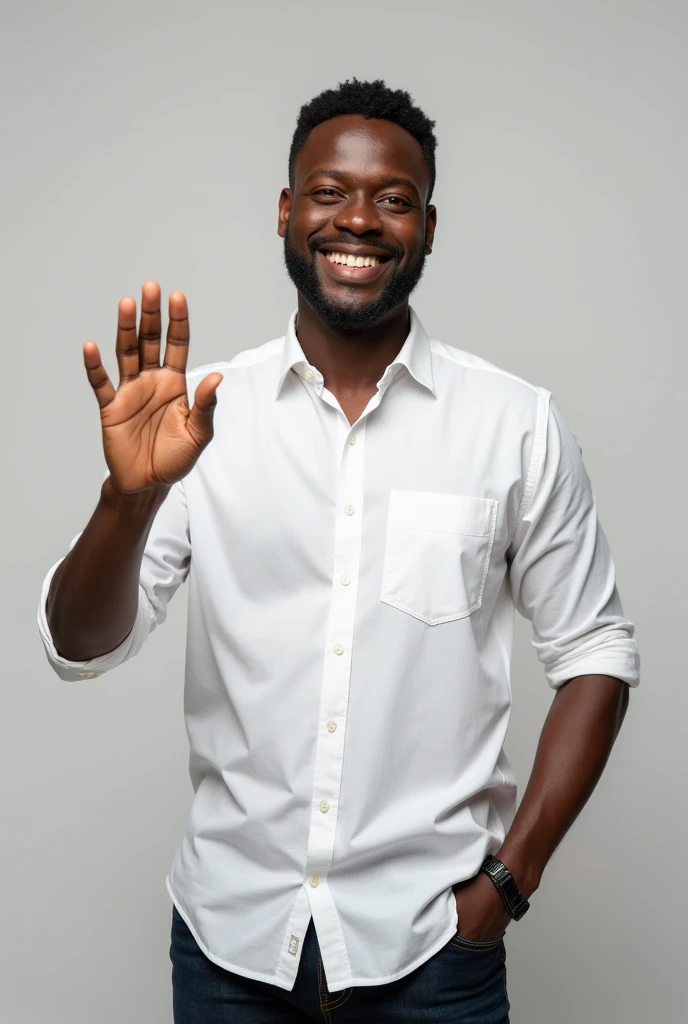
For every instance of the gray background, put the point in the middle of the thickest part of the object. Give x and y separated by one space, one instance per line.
149 140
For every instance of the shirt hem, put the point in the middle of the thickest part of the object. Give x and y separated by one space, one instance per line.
334 985
243 972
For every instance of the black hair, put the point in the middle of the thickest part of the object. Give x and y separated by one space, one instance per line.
370 99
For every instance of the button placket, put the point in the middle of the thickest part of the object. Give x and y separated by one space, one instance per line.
337 663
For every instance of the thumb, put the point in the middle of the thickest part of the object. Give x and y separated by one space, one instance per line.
200 421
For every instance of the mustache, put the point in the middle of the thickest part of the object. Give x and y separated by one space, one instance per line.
394 251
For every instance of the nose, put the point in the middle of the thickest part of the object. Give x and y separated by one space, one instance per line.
359 214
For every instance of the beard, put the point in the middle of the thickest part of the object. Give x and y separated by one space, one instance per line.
351 315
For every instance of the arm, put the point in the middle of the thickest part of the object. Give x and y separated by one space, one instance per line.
164 567
94 593
563 580
96 598
576 741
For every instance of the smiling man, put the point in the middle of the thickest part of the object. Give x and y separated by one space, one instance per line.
359 509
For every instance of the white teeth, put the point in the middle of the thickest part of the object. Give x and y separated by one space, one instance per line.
349 260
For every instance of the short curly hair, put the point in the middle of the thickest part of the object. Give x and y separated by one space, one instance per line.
370 99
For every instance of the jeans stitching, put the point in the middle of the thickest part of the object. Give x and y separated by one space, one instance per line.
473 947
340 1001
322 994
506 994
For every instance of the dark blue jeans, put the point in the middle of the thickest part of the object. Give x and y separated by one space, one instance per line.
464 983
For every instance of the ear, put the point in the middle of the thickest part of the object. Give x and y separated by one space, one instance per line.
284 211
430 225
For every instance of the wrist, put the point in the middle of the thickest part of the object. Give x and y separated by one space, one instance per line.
137 503
522 869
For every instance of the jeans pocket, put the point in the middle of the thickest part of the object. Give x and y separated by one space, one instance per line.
459 942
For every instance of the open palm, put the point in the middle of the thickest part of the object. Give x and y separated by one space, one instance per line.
150 436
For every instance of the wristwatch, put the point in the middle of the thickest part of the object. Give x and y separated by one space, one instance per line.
504 883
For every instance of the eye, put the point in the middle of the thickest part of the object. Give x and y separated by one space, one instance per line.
332 194
399 201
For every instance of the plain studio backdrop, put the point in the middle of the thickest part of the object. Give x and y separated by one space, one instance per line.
149 140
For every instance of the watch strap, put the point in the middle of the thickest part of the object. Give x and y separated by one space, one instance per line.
516 906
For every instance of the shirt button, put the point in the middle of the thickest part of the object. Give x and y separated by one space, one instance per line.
331 726
338 649
324 806
345 580
310 374
314 880
349 510
352 439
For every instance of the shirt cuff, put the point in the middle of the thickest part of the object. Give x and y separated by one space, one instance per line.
75 671
617 656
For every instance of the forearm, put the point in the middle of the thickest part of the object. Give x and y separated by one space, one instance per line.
93 597
576 741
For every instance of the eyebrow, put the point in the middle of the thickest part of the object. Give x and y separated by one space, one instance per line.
391 179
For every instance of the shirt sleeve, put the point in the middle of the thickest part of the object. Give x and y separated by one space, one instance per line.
561 568
165 565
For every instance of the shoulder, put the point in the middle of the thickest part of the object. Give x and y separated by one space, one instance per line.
486 382
481 372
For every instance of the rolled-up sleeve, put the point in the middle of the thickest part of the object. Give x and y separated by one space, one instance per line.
164 567
561 569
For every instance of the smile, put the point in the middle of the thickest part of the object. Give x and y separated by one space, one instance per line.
350 269
349 260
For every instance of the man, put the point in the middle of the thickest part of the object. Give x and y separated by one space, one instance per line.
359 509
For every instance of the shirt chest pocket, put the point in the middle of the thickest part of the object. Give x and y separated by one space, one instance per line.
437 553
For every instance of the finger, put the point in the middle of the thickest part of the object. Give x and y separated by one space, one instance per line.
127 347
200 422
150 327
177 346
97 375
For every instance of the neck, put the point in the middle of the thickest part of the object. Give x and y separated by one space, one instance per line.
351 362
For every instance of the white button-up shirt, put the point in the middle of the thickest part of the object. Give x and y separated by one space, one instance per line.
350 618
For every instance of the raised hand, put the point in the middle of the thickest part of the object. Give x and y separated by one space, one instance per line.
151 438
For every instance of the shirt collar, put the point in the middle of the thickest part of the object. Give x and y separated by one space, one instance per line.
414 355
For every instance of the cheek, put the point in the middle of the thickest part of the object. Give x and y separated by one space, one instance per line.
415 249
311 218
413 238
300 232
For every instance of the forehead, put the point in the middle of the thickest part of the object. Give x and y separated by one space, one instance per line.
362 148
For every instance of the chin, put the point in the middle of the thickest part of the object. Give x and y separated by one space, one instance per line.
350 317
